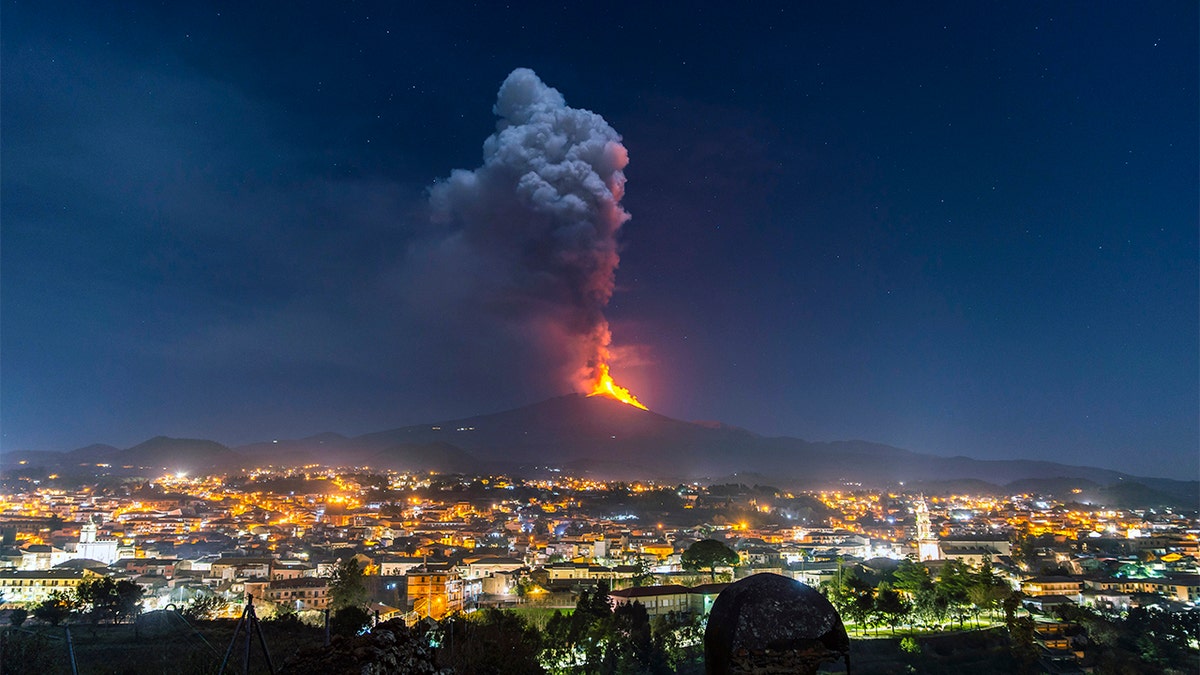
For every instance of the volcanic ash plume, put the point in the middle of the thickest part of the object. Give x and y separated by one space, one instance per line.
539 222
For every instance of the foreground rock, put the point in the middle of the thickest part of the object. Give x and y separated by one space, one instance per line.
767 623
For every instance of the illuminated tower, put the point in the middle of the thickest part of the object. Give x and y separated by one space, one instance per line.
927 545
92 547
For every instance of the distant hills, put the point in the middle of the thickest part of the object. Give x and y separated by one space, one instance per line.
604 438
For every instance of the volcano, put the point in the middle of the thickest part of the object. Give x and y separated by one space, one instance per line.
602 437
605 438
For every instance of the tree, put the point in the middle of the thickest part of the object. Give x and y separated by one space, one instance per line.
953 583
595 638
1022 646
205 607
1010 605
110 600
642 575
573 641
911 578
98 596
128 602
853 597
890 605
56 607
17 617
631 641
680 637
708 554
491 641
346 585
988 590
349 620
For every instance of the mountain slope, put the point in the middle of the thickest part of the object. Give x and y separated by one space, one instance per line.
610 439
604 438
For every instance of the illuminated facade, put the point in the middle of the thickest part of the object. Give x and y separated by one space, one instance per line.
927 546
94 548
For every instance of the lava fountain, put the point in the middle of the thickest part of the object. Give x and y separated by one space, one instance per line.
603 385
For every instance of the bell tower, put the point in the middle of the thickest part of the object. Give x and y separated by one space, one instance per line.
927 545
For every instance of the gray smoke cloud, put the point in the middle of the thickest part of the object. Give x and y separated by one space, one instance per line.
530 238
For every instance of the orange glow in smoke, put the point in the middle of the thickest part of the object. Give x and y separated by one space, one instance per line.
603 385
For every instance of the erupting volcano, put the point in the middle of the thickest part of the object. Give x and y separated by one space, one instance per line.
531 237
604 386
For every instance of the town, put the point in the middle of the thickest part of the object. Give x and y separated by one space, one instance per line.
434 546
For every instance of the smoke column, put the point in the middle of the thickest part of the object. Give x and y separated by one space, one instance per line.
533 231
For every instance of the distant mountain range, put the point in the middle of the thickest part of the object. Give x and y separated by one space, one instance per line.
605 438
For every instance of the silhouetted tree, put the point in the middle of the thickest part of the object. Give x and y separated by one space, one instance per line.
708 554
890 605
349 621
205 607
347 588
55 608
494 641
17 616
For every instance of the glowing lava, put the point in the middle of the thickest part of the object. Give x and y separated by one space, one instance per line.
603 385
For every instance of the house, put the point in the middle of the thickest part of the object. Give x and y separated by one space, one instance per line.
397 566
435 593
163 567
486 567
1051 585
29 586
41 557
659 600
241 568
702 597
299 594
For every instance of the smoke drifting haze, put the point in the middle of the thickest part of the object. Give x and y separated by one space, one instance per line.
526 247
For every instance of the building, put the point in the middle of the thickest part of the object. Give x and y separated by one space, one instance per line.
435 593
1051 585
486 567
659 600
163 567
92 547
299 594
29 586
928 547
975 557
397 566
229 569
702 597
42 557
1183 588
997 546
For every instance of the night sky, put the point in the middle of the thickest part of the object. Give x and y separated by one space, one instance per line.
969 228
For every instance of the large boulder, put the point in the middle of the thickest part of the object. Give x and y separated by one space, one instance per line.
767 623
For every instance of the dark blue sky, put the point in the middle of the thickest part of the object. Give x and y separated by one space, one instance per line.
965 229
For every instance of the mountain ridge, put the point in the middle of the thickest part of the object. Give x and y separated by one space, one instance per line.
604 438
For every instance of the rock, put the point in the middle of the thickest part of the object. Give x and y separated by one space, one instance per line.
767 623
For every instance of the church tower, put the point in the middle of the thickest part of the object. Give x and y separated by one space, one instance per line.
927 545
92 547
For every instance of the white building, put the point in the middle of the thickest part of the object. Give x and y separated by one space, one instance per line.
93 548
